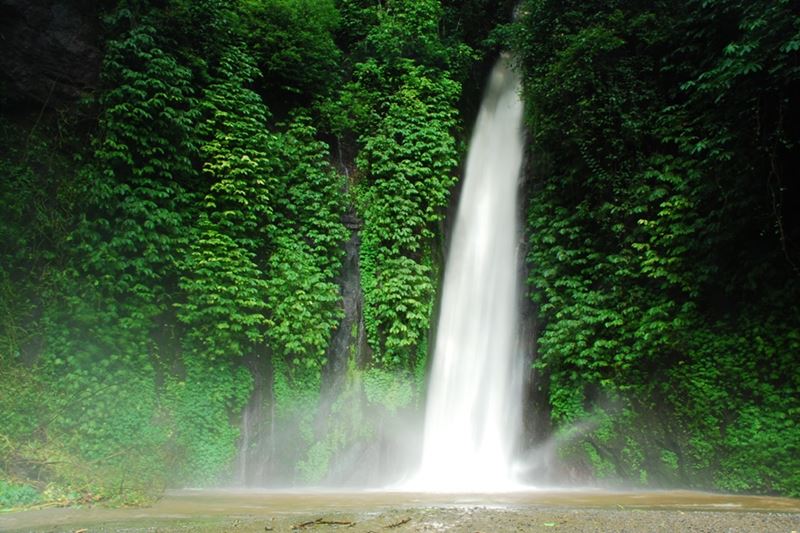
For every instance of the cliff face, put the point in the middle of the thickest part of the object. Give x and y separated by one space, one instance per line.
50 51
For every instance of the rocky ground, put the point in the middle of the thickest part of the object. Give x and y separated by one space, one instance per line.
470 520
310 514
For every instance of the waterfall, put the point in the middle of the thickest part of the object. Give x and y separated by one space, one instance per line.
473 419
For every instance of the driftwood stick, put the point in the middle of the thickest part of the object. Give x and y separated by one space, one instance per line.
323 522
306 524
398 524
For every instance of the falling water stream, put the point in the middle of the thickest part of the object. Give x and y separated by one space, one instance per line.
473 417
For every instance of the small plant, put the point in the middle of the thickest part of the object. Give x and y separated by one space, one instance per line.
17 495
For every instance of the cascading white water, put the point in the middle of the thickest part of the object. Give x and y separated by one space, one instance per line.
473 416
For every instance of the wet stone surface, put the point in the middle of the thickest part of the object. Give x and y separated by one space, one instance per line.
386 512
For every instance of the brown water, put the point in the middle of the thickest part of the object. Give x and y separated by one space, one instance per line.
179 506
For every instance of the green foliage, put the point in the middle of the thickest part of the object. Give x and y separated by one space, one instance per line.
142 162
201 31
408 162
602 467
662 245
356 415
261 270
304 305
392 390
344 425
755 407
294 392
358 17
17 495
202 437
76 352
127 248
223 280
400 103
296 395
292 42
57 435
303 297
225 296
407 29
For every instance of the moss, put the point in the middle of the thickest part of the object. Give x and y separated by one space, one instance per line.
390 389
602 467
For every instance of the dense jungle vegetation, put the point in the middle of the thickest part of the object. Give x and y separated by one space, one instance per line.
174 245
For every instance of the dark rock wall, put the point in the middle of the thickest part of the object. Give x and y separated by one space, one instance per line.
49 51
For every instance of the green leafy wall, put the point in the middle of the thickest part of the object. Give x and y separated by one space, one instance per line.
664 237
